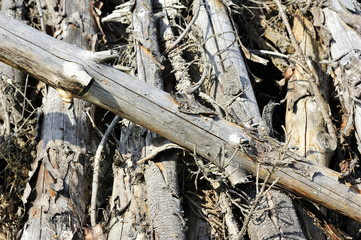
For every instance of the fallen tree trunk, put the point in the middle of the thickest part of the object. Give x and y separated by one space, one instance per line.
160 175
232 90
77 72
58 200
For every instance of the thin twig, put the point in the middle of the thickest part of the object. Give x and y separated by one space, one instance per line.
289 30
96 170
281 55
41 16
26 87
23 93
260 195
204 76
186 30
93 123
17 130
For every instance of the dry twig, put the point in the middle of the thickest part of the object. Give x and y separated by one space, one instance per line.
186 30
96 170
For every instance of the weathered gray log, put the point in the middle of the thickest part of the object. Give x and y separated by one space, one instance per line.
50 61
197 227
222 48
161 177
59 207
160 208
232 85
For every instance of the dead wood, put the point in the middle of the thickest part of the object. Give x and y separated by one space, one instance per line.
222 49
305 124
159 112
160 174
16 147
231 76
57 202
345 59
96 170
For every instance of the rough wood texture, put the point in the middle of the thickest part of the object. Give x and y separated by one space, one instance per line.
127 200
197 227
306 129
231 74
345 48
283 223
161 175
160 207
59 198
222 49
158 111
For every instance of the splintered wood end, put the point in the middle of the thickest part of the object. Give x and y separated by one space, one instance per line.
66 97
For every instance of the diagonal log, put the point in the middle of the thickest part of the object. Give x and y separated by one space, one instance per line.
61 65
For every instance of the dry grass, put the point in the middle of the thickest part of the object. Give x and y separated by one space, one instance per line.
17 151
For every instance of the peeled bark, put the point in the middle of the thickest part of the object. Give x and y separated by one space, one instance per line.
305 126
58 199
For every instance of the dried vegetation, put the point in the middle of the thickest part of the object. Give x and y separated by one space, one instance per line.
263 36
17 152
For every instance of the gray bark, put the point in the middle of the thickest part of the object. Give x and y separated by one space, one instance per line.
233 91
162 208
58 199
161 177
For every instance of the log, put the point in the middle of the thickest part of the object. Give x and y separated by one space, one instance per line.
60 170
233 90
160 175
50 61
231 76
305 125
341 21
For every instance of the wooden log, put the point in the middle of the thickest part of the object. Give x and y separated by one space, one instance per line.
60 170
341 21
305 126
222 49
197 228
209 137
160 175
226 57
